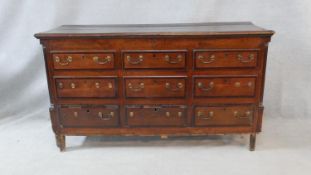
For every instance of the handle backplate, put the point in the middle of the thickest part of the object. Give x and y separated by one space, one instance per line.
63 62
171 60
203 88
203 116
242 59
211 58
178 87
140 87
135 60
104 60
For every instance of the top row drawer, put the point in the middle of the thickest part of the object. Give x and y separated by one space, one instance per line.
154 59
157 59
225 59
84 60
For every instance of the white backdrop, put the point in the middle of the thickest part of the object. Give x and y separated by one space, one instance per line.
26 140
23 87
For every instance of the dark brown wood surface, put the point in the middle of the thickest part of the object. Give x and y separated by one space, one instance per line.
174 79
121 30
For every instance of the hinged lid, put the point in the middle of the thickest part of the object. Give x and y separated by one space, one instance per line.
155 30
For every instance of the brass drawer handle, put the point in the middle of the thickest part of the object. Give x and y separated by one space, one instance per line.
135 61
110 85
179 114
167 114
72 85
237 84
105 60
202 116
249 84
238 114
203 88
210 59
64 61
173 61
179 86
245 60
75 114
140 87
60 85
131 114
97 85
106 116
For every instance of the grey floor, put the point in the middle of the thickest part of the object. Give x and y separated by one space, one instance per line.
28 147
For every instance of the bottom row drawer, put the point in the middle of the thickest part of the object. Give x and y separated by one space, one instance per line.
145 115
95 116
224 116
156 115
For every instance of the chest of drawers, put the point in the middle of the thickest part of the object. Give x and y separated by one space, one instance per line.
166 80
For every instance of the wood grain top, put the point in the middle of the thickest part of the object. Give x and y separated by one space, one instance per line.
135 30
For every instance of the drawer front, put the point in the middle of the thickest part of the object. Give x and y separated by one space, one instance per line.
83 61
155 87
86 87
156 115
154 59
99 116
225 87
225 59
224 116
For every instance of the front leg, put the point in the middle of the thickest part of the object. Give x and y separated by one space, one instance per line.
252 142
60 141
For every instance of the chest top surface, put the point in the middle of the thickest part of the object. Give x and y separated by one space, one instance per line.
182 29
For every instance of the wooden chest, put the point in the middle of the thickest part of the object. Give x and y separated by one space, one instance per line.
172 79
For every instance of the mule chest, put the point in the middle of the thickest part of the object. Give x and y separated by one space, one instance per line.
156 79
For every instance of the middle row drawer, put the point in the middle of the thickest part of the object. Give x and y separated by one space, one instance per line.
154 87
